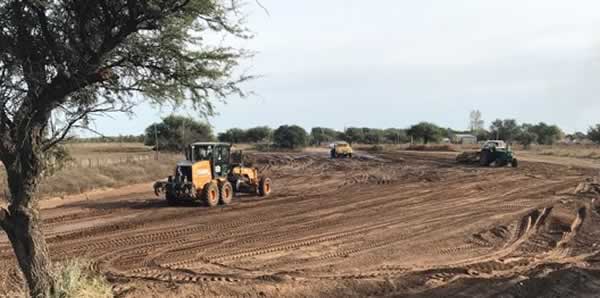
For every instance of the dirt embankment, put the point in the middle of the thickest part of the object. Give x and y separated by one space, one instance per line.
395 224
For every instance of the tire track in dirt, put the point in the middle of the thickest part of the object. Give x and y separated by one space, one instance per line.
399 223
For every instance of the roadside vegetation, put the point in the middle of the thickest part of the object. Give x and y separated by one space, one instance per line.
74 279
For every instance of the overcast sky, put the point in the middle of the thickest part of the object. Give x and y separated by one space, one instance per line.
391 63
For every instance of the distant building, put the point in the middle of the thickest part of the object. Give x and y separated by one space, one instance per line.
465 139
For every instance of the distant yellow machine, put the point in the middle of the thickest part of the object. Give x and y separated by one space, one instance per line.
341 149
209 175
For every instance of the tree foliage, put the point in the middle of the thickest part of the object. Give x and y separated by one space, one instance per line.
354 135
175 133
258 134
546 134
253 135
233 136
426 132
506 130
594 134
319 135
395 136
290 137
526 137
63 62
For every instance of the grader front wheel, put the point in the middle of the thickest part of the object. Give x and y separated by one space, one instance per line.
264 187
210 194
226 193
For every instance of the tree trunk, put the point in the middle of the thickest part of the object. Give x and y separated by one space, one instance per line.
21 221
29 244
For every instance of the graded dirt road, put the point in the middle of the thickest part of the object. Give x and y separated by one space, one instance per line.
395 224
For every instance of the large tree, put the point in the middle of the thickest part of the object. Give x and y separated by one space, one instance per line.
507 130
290 137
426 132
174 133
64 61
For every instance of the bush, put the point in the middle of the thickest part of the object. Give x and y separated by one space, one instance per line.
290 137
75 279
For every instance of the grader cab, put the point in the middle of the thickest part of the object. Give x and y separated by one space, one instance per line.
209 175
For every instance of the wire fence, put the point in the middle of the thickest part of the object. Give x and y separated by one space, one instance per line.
95 162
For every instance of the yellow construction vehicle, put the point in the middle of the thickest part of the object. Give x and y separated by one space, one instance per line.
209 175
341 149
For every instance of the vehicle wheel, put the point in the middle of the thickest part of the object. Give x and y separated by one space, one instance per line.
210 194
264 188
515 163
226 193
484 160
350 155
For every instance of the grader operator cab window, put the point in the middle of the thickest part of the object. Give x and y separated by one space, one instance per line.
203 153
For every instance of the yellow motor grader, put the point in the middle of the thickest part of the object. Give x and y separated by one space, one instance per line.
209 175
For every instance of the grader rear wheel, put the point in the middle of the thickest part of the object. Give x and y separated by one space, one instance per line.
226 193
515 163
210 194
264 188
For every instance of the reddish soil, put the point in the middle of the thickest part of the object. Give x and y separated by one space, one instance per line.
395 224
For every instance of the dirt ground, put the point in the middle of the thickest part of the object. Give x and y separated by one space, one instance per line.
395 225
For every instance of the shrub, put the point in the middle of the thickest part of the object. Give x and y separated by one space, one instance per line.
75 279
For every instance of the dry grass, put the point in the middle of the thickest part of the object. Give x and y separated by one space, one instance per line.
433 147
81 179
573 151
82 151
75 279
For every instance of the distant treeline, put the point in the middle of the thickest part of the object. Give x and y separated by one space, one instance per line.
175 132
